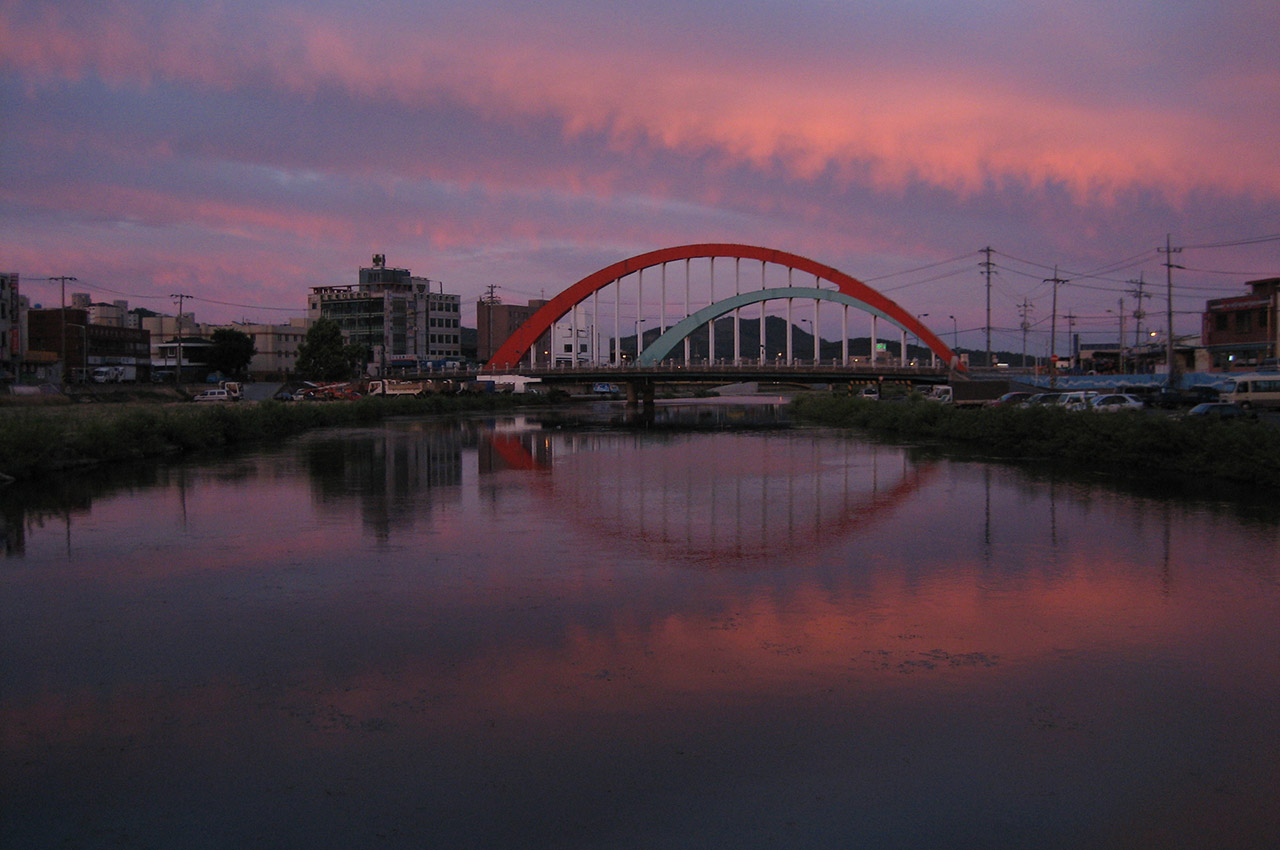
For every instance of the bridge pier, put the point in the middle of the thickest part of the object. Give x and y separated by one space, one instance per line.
640 395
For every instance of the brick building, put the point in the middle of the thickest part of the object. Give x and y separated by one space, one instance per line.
1238 333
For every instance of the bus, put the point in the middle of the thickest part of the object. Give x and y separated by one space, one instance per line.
1255 389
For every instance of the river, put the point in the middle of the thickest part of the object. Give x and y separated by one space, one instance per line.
508 633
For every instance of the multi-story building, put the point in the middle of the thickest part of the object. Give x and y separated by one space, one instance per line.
496 322
394 314
10 326
112 314
1238 333
82 346
571 341
275 347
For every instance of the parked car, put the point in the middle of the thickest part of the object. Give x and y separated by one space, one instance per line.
1042 398
1169 398
212 395
1219 410
1010 400
1077 400
1113 402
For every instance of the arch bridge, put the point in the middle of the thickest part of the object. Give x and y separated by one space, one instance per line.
577 334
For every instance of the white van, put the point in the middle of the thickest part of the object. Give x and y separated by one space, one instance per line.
1252 390
213 395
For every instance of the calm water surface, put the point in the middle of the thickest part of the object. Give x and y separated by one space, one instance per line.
491 634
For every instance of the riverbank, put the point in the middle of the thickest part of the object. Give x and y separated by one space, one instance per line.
1240 451
45 439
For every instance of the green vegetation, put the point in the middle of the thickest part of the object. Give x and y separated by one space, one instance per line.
231 352
1244 451
34 440
323 356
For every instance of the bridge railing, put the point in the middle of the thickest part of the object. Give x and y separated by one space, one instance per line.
675 369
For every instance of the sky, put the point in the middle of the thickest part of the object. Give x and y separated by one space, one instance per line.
243 151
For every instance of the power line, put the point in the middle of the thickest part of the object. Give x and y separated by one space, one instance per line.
1235 243
917 268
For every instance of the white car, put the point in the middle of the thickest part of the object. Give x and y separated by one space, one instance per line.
1078 400
212 395
1116 401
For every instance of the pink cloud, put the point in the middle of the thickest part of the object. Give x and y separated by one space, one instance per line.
951 123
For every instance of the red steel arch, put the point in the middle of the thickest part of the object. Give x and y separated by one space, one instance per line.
511 352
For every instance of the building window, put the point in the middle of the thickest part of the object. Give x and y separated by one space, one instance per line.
1244 322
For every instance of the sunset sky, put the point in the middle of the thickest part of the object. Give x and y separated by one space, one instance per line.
242 151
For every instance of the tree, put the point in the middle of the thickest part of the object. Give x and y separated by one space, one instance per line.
323 356
231 352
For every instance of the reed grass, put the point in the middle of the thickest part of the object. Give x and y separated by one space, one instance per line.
41 439
1144 442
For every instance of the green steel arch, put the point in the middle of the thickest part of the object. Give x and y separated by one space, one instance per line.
660 348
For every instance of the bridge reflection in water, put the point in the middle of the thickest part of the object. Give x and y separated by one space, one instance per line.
743 499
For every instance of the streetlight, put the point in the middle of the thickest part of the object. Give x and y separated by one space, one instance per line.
955 333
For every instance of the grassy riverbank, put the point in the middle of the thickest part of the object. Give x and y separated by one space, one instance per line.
41 439
1244 451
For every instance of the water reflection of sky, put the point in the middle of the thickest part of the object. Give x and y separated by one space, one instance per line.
431 645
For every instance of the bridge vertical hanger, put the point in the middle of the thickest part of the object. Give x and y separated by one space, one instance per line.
686 306
790 353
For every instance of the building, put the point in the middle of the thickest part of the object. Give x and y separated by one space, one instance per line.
394 314
275 347
112 314
82 346
1240 332
496 322
10 327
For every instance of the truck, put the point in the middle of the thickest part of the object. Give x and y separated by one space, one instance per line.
389 387
968 393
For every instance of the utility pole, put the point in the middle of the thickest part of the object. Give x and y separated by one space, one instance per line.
1120 350
1138 313
1024 311
988 269
178 372
63 313
1053 329
1170 349
490 300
